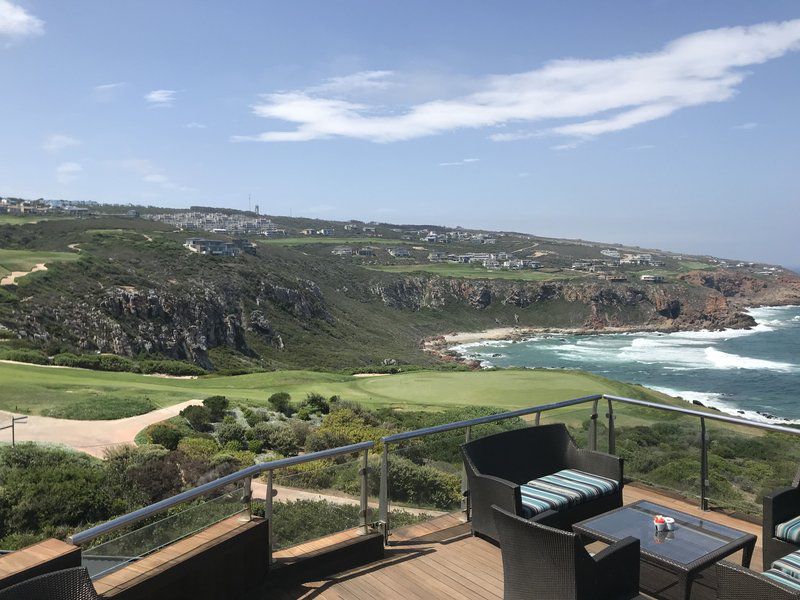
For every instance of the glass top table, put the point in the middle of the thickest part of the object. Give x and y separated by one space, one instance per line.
693 545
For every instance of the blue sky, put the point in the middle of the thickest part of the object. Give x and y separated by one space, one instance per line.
664 123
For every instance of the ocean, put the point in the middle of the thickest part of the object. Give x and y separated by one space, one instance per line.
751 373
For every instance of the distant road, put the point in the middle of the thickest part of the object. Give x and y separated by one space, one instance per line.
91 437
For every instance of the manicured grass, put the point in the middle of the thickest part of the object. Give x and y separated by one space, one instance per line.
470 272
25 260
84 394
691 265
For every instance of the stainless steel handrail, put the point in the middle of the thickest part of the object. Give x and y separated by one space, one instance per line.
201 490
408 435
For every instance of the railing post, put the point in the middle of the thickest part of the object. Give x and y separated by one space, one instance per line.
465 503
247 499
593 428
612 432
538 419
363 472
268 513
703 465
383 500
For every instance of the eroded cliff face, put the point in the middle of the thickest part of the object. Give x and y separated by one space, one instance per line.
604 304
174 321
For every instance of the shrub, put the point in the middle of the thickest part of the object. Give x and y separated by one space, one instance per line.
199 417
96 362
164 434
198 448
217 405
272 436
230 432
176 368
26 356
423 485
280 402
314 404
254 446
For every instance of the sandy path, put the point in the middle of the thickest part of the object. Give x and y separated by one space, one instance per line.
92 437
11 279
286 494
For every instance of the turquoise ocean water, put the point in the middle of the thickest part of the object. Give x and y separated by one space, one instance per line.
753 373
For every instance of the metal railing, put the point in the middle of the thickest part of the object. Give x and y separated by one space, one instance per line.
592 438
245 476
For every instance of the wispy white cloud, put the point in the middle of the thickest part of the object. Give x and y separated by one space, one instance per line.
195 125
161 98
67 172
356 82
463 161
107 91
642 147
149 173
17 23
595 97
58 142
750 125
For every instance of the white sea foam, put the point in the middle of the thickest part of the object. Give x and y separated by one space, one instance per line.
723 360
715 400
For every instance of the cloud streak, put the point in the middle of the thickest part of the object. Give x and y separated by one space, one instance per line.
458 163
17 23
58 142
579 99
161 98
68 172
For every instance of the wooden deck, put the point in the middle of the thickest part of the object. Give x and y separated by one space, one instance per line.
441 559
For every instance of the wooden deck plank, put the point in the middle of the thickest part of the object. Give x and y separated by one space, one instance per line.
436 560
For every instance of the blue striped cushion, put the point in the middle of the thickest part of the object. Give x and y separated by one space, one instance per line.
562 490
780 576
789 564
789 531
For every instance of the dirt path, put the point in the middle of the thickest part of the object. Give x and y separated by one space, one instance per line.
11 279
92 437
286 494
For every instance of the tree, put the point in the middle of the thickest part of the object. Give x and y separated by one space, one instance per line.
199 417
165 435
280 402
217 405
314 404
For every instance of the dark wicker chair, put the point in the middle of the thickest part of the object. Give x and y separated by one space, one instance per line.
543 562
69 584
779 506
497 465
735 582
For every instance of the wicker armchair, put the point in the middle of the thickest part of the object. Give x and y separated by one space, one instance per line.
543 562
497 465
735 582
69 584
779 506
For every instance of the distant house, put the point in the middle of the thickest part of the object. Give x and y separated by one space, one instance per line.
581 265
369 230
614 277
212 247
351 227
245 246
532 264
309 232
366 251
326 232
400 252
432 238
437 256
342 251
132 213
652 278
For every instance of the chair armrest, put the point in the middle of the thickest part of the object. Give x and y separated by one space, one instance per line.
487 490
617 568
735 582
598 463
780 505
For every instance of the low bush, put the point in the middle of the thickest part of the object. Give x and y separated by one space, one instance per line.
199 417
25 356
177 368
231 432
198 448
281 402
164 434
217 405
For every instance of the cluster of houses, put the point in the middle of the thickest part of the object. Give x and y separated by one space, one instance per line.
433 237
18 206
220 222
399 252
326 232
493 261
220 247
